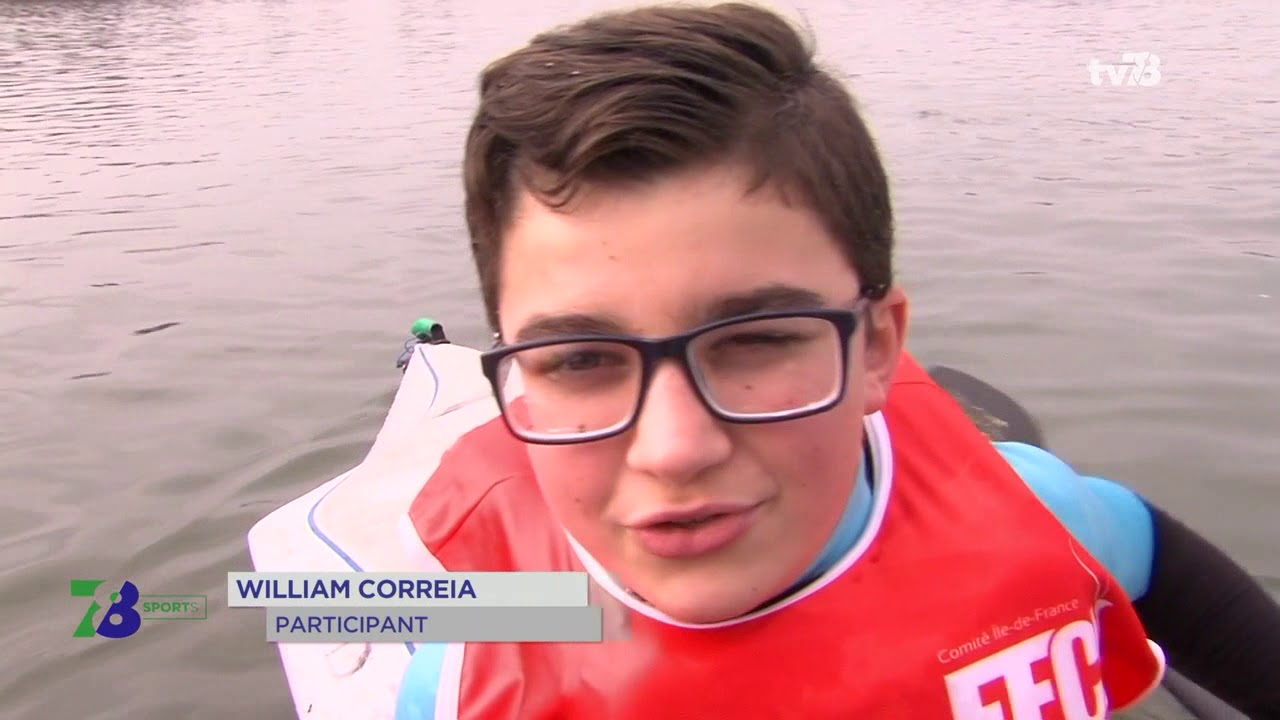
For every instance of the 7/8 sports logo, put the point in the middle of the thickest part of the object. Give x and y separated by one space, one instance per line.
125 608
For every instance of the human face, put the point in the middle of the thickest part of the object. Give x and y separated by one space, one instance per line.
657 260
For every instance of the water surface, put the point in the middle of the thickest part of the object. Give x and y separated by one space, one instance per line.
219 218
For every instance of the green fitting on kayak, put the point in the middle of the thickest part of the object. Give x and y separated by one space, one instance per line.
422 327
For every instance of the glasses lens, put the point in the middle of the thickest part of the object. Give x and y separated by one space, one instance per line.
763 368
570 389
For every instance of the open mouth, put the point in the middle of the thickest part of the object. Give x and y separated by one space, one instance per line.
694 536
688 524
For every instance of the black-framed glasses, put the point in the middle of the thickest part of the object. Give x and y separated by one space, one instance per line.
759 368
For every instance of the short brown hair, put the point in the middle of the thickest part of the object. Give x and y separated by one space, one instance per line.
634 95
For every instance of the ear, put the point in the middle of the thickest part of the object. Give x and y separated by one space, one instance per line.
884 339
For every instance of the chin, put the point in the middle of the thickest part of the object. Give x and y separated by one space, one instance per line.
705 605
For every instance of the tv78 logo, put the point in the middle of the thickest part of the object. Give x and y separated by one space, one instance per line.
126 608
1135 68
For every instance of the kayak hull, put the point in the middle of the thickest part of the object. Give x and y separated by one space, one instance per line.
345 525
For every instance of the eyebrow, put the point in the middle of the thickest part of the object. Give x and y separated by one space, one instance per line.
544 326
770 298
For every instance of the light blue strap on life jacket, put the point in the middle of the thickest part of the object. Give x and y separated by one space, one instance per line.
421 683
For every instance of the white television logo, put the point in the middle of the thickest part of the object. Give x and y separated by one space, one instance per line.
1134 68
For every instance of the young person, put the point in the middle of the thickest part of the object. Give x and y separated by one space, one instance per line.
684 238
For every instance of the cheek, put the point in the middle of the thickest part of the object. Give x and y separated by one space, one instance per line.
577 483
815 462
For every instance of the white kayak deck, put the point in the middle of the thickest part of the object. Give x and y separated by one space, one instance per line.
359 522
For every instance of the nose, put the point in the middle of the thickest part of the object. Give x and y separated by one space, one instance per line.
675 437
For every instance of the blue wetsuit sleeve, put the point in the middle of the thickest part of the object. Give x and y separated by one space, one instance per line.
421 683
1111 521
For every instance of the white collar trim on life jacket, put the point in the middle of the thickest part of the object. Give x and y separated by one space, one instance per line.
877 433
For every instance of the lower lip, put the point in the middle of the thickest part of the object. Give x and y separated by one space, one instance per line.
670 541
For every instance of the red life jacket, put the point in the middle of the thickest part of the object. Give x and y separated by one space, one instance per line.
965 599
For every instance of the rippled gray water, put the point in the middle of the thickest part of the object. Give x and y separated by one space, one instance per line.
218 218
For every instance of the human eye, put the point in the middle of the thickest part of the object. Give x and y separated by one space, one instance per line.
763 341
575 360
761 337
774 333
